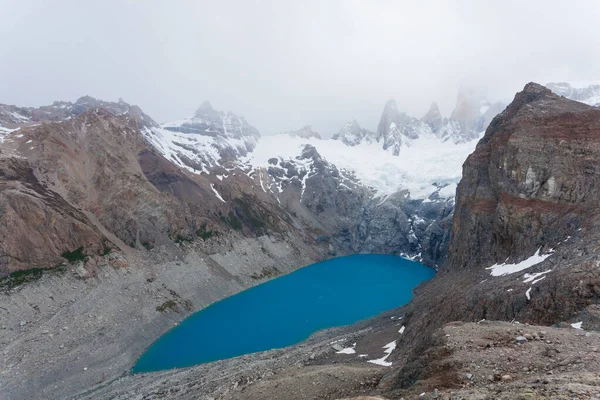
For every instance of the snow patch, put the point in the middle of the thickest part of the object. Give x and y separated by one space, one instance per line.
388 350
528 294
348 350
534 277
507 269
212 186
577 325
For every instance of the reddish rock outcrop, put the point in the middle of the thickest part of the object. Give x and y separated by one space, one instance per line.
92 181
532 183
533 180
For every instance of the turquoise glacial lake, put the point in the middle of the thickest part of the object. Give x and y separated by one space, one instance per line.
288 309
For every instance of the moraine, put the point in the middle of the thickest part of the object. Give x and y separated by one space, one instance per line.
287 310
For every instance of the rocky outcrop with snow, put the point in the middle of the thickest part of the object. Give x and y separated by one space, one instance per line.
305 132
471 116
206 140
397 130
588 93
352 134
13 116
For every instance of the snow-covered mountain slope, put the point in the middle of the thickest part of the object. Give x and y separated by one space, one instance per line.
205 140
584 92
428 166
422 157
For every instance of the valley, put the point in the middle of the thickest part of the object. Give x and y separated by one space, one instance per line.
133 226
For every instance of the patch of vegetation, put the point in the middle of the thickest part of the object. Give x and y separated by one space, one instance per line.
173 305
106 250
147 245
267 272
167 305
75 255
232 220
21 277
204 233
320 208
181 238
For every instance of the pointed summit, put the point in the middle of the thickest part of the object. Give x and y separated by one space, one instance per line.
207 112
305 132
397 129
433 118
390 113
351 134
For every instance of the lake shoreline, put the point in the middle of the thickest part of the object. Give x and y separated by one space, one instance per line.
287 310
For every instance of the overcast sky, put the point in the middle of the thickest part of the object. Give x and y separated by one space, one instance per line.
284 64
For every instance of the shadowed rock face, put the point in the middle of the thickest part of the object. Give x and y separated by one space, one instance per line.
37 224
532 181
433 118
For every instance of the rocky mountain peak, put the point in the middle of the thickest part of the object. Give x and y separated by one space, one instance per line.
518 173
351 134
204 140
206 106
63 110
396 129
206 112
433 117
305 132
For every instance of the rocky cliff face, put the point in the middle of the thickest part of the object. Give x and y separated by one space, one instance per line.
531 181
524 236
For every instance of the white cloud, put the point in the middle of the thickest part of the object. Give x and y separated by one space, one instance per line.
284 64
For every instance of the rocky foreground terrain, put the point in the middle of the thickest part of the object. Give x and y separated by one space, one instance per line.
123 249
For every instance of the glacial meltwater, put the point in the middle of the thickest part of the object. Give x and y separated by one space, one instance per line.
286 310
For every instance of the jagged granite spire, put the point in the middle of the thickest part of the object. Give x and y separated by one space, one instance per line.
396 129
433 118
